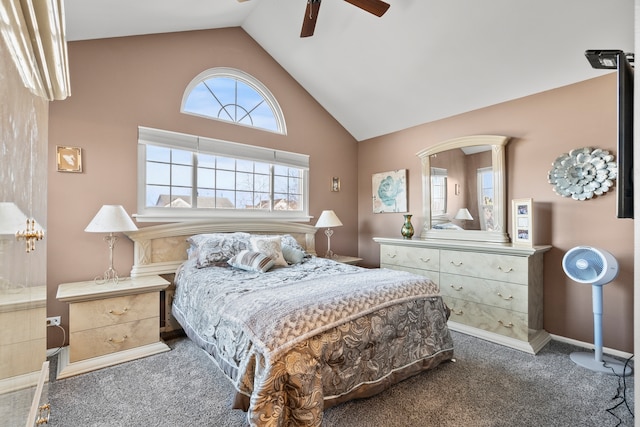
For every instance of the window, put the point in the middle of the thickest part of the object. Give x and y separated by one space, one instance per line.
183 176
231 95
438 191
485 198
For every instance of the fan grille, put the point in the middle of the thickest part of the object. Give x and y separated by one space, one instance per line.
584 265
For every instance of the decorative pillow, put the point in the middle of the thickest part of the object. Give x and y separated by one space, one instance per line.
288 239
251 261
217 248
292 255
269 246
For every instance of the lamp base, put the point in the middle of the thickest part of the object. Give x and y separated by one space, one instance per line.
109 276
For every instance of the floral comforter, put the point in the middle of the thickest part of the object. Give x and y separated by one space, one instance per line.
298 339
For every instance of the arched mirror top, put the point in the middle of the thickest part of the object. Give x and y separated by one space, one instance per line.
463 187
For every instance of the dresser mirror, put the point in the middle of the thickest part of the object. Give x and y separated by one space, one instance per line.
463 189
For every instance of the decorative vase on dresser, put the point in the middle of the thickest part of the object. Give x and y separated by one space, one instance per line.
494 291
407 227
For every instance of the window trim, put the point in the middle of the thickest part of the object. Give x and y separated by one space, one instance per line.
245 78
159 137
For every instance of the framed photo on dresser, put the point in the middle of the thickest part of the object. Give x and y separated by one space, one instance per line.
522 212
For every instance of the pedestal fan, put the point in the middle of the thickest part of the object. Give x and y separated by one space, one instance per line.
586 264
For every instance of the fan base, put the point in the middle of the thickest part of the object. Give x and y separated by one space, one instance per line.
608 365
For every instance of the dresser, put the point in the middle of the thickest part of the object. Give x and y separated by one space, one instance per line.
111 323
494 291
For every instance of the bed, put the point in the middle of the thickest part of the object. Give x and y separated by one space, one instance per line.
299 335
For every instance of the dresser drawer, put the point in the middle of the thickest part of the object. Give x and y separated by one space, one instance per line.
110 339
432 275
113 311
505 295
420 258
512 324
505 268
22 358
22 325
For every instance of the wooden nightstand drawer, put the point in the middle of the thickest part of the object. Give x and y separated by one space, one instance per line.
22 325
22 358
112 311
111 339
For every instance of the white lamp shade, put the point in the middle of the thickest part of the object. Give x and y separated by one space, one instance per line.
111 219
328 219
12 219
463 214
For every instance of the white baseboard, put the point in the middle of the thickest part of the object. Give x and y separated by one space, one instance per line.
606 350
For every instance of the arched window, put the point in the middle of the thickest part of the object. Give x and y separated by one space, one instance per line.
234 96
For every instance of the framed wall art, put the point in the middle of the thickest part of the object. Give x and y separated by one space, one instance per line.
522 210
335 184
389 191
69 159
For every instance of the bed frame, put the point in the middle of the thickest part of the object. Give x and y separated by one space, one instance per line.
160 249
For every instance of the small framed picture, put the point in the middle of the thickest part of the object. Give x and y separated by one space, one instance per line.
335 184
69 159
522 211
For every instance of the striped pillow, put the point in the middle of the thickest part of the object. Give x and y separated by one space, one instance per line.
251 261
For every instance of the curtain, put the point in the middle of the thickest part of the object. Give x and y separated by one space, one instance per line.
34 33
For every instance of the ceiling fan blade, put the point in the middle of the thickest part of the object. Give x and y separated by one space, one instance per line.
377 7
310 17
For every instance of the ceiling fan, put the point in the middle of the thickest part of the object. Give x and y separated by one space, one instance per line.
376 7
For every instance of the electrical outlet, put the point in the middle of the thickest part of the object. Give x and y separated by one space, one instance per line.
53 321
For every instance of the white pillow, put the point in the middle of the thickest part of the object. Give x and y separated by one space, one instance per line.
271 247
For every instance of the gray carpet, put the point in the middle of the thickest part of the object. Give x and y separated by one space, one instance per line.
488 385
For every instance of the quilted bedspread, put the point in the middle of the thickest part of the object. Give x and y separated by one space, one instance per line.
297 339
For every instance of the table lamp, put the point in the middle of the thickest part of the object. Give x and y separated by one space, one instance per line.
110 219
463 214
327 220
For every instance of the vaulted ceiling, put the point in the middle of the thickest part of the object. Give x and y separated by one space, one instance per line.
422 61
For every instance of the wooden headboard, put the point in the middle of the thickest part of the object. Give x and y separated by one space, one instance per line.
160 249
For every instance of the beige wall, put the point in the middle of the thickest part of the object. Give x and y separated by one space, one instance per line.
119 84
542 126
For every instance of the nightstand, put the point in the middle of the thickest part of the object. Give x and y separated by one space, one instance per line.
344 259
111 323
23 343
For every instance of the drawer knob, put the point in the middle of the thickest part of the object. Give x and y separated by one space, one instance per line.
391 255
508 325
459 312
457 288
505 270
124 338
425 260
510 297
119 313
457 264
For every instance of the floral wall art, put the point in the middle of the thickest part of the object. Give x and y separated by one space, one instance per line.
390 191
